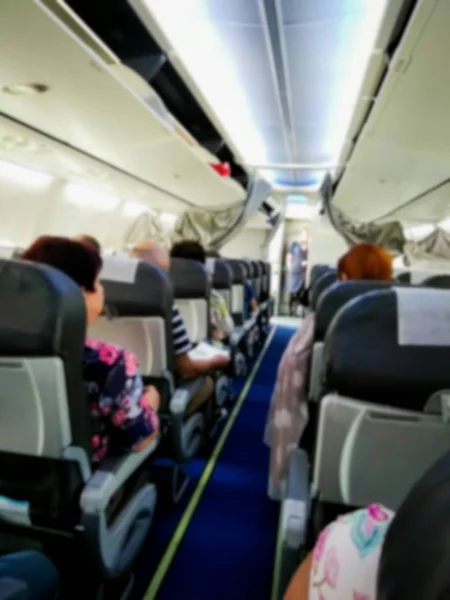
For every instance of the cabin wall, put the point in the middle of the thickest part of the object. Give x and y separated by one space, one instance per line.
32 210
248 243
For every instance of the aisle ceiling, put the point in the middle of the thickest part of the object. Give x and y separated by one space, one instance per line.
281 76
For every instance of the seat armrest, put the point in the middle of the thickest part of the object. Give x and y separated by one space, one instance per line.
315 372
399 449
12 589
110 477
184 394
296 502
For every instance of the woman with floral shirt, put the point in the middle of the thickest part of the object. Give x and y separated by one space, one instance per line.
123 412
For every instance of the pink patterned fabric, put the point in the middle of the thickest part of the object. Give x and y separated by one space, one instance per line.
288 413
346 556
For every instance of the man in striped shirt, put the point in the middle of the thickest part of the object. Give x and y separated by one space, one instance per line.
185 366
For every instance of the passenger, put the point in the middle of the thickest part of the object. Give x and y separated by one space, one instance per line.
295 276
90 241
344 562
185 366
33 569
288 413
123 412
221 320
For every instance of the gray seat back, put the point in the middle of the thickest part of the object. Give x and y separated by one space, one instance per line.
191 292
42 329
237 290
138 313
223 280
320 285
390 346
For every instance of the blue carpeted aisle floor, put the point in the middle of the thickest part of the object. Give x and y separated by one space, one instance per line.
228 549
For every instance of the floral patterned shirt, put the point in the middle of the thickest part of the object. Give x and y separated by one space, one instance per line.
121 417
346 556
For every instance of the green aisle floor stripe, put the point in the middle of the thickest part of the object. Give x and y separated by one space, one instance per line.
277 566
169 555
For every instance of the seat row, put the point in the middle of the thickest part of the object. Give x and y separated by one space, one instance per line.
379 402
48 487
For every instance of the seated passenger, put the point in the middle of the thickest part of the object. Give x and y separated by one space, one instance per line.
344 562
90 241
185 366
123 412
288 413
33 569
221 321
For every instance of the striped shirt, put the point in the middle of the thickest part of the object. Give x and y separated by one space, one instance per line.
181 341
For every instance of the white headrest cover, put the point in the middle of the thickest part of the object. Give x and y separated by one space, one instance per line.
423 316
118 268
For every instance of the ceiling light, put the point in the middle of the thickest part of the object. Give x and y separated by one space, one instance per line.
214 72
88 197
27 89
168 219
134 209
23 175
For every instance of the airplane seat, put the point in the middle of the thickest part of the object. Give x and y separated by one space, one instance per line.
316 272
222 280
385 417
13 589
240 336
386 383
191 293
329 304
256 282
138 316
441 281
320 285
47 485
271 299
192 289
264 297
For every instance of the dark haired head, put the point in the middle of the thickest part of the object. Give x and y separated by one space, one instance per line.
189 249
414 563
90 241
79 261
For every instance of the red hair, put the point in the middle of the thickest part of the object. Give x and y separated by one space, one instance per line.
366 261
77 260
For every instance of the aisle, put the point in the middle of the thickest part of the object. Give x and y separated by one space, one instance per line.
228 548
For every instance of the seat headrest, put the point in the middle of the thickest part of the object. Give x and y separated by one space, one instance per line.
189 279
321 285
254 268
438 281
415 556
317 271
404 277
42 312
390 347
237 270
135 288
336 296
222 277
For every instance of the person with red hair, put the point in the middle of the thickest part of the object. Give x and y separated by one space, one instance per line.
123 412
288 413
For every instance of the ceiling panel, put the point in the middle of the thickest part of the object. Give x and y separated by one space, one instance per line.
295 11
404 148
